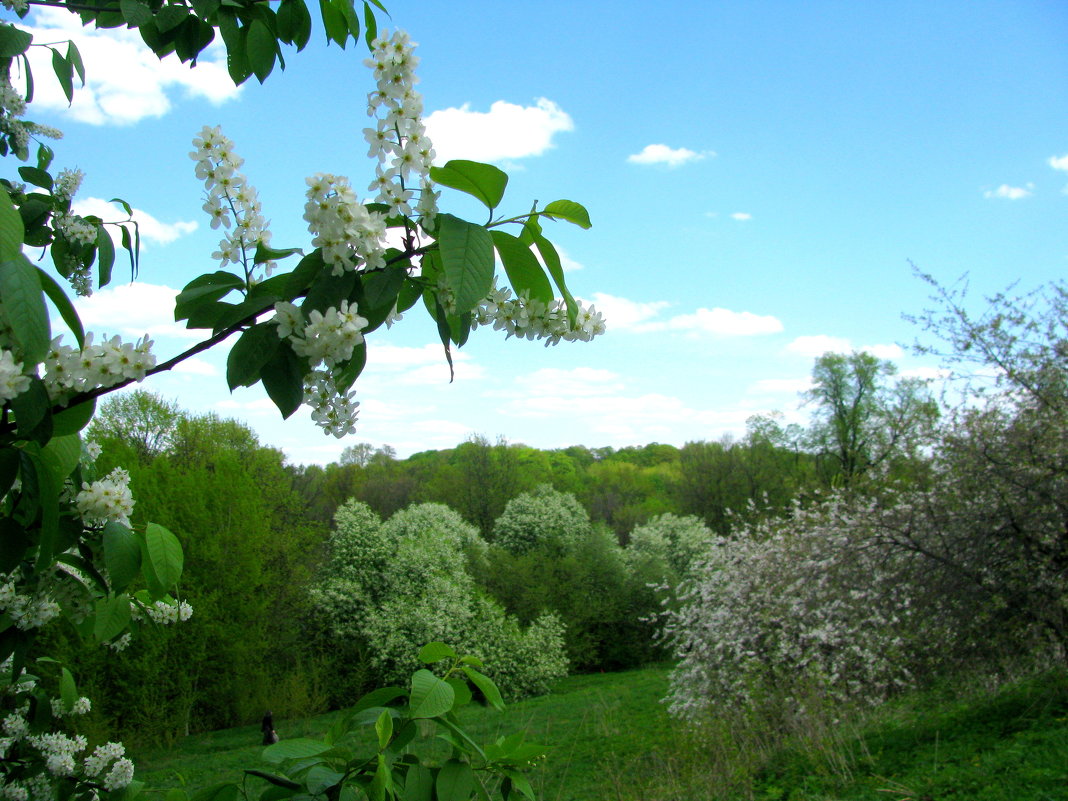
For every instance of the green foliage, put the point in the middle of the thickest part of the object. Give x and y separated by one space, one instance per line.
604 604
672 545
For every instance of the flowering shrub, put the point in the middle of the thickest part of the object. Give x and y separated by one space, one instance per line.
672 543
393 585
543 519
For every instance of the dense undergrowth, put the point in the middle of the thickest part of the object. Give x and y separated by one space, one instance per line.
612 740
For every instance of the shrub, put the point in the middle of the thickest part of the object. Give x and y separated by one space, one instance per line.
391 587
544 519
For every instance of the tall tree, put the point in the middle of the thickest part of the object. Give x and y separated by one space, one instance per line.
865 419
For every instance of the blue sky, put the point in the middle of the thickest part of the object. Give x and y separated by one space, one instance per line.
759 177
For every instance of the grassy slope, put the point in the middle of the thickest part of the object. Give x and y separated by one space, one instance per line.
613 740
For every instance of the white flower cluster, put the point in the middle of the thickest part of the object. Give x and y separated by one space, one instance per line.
81 706
74 228
121 773
399 142
106 500
231 200
12 380
67 184
533 319
13 106
27 611
350 236
165 613
327 339
332 410
69 371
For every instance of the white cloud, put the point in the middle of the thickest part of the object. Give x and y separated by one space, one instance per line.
741 216
383 357
1006 192
814 346
506 131
620 313
672 157
577 382
196 366
780 386
133 310
125 81
152 230
890 352
1059 162
568 263
720 322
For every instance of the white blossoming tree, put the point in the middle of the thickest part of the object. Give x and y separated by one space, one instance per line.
68 551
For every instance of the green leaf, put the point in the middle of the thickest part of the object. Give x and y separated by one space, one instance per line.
370 25
164 553
33 412
283 378
462 690
483 181
63 305
74 419
524 272
68 691
293 749
334 23
60 456
13 41
264 254
384 728
170 17
37 177
455 781
24 307
434 652
568 210
261 48
321 778
252 350
350 370
75 59
556 270
381 287
112 617
379 697
430 696
521 783
64 71
418 784
11 229
105 250
135 12
278 781
486 686
122 555
328 290
200 294
467 258
13 544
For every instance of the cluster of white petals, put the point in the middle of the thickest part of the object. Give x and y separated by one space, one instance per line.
12 380
69 371
399 141
327 340
27 611
533 319
332 410
81 706
165 613
107 500
231 201
351 237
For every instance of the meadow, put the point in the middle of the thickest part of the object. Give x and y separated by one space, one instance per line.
611 739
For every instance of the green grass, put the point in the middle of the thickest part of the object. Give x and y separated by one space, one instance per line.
612 740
